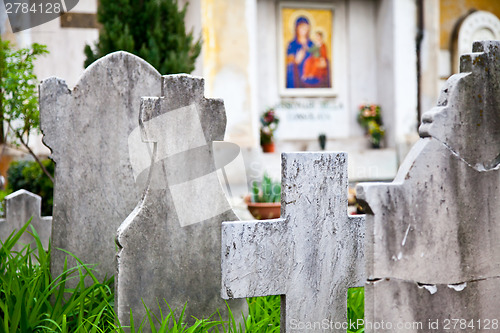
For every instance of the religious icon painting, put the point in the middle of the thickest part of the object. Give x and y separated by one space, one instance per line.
306 49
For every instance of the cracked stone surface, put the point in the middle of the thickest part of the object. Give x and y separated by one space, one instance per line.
21 206
438 223
311 255
422 305
87 130
169 246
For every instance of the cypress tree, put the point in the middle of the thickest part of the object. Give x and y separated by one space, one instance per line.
151 29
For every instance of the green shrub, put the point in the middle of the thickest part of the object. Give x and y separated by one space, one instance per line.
29 176
151 29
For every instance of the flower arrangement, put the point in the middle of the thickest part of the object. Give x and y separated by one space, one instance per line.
269 123
370 118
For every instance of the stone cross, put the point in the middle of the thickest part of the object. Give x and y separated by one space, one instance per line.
310 256
433 233
88 128
21 206
169 245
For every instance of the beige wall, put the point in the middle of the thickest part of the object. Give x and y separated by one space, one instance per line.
450 11
228 68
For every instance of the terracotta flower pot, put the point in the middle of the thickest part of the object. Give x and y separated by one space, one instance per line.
263 210
268 147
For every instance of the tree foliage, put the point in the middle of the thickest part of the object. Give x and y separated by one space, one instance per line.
19 114
151 29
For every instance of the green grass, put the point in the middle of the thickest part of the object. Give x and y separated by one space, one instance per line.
356 309
31 300
263 314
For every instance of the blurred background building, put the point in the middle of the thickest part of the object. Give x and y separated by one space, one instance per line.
391 53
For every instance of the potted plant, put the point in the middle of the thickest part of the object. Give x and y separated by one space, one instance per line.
265 200
370 118
269 123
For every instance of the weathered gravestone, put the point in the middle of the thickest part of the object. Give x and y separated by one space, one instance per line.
311 255
169 245
21 206
433 234
87 129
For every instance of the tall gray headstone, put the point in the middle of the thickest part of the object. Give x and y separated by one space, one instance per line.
310 256
87 128
169 245
433 233
21 206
